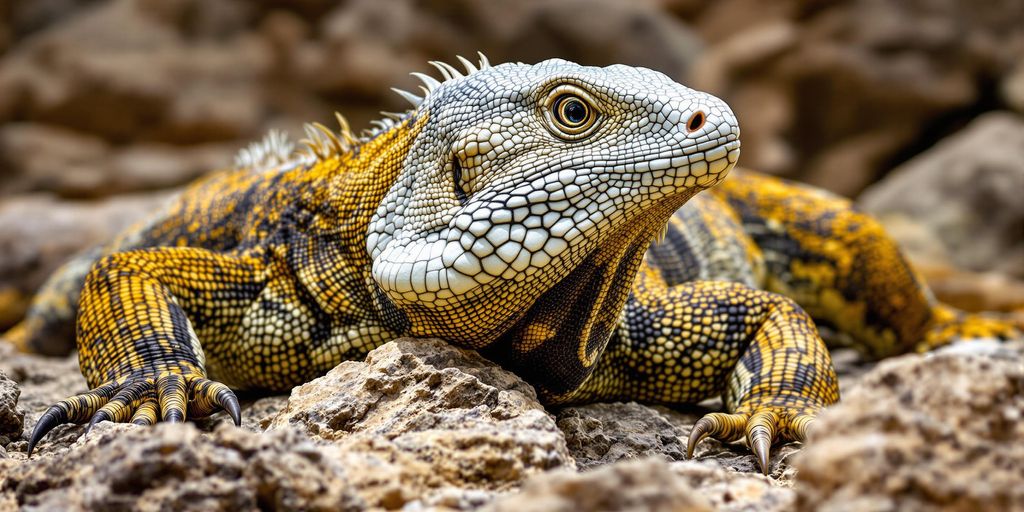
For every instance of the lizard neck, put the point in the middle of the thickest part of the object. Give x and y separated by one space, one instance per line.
345 192
361 179
556 343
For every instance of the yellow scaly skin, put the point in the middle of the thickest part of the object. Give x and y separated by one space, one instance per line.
501 215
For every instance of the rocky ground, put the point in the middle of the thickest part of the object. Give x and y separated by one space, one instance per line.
422 425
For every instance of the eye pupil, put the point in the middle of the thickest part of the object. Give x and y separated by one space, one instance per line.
575 112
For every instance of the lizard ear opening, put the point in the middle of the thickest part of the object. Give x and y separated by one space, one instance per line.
457 184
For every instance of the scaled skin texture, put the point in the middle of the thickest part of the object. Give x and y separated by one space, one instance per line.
532 212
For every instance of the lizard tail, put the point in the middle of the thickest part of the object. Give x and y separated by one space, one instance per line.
49 326
950 325
43 334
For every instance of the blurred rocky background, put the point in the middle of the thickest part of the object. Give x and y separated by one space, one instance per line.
104 105
913 108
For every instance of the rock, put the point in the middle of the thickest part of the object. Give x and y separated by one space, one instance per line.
601 434
604 433
640 485
161 75
42 381
367 44
42 158
969 199
11 417
441 417
649 484
31 155
1012 89
257 413
734 491
174 467
942 431
38 233
833 93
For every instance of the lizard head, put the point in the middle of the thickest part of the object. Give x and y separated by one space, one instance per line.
522 175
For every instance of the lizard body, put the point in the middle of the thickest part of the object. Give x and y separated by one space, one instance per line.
514 210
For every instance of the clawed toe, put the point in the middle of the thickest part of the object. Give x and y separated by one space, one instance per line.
761 429
142 401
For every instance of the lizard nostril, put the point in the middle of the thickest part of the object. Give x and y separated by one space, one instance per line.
696 121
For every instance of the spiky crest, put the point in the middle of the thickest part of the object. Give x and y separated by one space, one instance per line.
321 143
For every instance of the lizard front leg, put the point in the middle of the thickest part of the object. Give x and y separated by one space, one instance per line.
138 348
685 343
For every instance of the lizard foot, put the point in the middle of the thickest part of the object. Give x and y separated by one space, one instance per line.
143 400
762 429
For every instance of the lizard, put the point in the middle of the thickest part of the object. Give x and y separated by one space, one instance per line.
545 215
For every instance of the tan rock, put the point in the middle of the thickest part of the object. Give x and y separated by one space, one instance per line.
42 381
641 485
129 70
649 484
860 82
734 491
604 433
1012 89
174 467
44 158
601 434
12 418
441 417
368 45
942 431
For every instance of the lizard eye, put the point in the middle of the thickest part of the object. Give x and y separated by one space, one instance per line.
570 113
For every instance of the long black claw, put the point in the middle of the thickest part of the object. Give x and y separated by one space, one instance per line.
227 400
51 418
100 415
700 430
762 448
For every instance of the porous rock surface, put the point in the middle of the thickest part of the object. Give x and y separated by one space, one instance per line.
940 431
175 467
419 424
648 484
440 415
604 433
641 485
423 425
12 418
